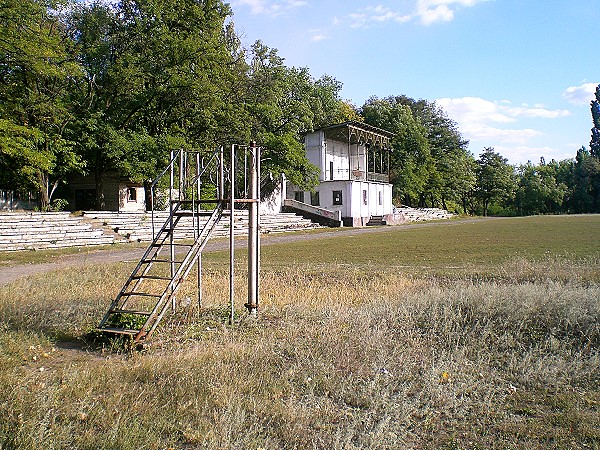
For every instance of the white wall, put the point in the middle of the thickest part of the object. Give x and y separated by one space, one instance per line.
345 158
352 197
315 151
274 203
126 205
372 208
338 153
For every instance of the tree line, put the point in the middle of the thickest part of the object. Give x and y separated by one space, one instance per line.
432 166
97 88
92 88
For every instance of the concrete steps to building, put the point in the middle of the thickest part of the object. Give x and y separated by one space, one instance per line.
376 221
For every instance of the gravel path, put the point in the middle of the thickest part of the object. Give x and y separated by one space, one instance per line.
12 273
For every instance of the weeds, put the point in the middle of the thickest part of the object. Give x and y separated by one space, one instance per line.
502 355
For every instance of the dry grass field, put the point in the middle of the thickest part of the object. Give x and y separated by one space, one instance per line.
483 335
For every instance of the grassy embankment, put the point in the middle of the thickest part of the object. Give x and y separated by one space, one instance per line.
476 335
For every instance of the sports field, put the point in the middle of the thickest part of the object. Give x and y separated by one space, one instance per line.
453 335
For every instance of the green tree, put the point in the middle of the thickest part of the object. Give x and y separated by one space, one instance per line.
452 176
585 183
495 179
284 103
411 161
37 72
160 75
538 190
595 141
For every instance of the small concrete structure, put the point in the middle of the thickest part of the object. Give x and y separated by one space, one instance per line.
354 160
119 193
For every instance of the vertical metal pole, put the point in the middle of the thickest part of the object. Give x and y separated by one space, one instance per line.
171 246
245 172
231 236
252 304
197 232
387 151
257 236
152 211
221 174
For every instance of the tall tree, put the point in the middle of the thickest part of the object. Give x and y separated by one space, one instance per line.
411 161
585 196
452 177
538 190
37 72
595 141
284 103
160 75
495 178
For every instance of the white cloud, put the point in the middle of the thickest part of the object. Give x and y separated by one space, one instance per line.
440 13
496 122
426 12
316 37
580 95
268 7
520 154
432 11
375 14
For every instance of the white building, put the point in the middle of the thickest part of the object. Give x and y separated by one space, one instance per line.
353 159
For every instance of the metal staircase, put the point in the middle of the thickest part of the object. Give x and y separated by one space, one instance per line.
191 186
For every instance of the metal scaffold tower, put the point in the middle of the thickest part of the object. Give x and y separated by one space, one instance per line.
201 188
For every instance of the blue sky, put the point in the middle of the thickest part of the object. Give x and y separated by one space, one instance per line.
516 75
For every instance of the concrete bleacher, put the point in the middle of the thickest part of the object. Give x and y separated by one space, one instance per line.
34 230
422 214
138 226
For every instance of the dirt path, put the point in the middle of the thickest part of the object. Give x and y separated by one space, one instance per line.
12 273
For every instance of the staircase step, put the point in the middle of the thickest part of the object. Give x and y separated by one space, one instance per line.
193 214
149 261
150 277
120 331
141 294
166 244
131 311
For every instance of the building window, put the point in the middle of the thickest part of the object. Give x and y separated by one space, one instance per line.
337 197
314 199
380 198
299 196
365 197
331 170
131 194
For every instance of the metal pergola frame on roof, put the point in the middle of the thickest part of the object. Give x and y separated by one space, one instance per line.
377 143
354 132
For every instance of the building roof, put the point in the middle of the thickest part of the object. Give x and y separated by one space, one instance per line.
355 132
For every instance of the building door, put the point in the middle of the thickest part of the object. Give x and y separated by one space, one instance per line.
85 199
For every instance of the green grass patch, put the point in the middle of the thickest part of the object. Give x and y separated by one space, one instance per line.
14 258
479 243
438 336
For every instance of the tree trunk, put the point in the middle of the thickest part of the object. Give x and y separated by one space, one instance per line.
43 190
100 201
